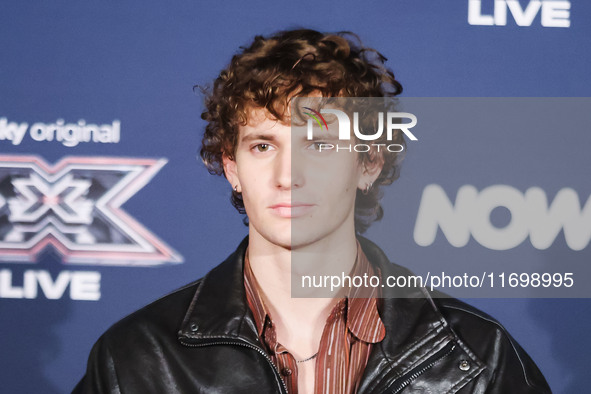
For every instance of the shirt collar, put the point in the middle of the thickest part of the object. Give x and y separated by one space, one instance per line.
363 319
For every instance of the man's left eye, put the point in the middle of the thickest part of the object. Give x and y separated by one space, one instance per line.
319 146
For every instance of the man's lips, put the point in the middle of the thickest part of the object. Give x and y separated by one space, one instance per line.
291 210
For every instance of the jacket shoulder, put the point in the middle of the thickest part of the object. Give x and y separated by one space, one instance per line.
162 315
134 340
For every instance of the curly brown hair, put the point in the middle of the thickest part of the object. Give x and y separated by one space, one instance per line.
272 70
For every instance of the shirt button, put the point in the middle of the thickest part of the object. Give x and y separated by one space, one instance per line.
286 371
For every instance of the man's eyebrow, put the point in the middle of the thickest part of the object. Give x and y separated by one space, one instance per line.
253 137
321 137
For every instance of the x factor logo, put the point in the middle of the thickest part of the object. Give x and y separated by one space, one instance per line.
75 206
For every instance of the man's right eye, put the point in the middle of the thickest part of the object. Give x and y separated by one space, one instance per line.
261 147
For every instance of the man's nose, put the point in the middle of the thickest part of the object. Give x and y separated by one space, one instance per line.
289 172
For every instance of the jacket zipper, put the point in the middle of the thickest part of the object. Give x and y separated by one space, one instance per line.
244 344
423 367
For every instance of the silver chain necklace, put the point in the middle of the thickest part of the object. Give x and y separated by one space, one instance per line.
307 359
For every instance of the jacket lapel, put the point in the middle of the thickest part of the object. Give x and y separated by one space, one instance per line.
219 308
416 333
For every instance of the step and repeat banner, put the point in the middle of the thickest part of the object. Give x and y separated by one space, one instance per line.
105 205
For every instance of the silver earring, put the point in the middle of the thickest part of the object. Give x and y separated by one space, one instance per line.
367 187
236 188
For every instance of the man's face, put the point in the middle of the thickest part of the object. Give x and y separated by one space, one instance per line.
294 194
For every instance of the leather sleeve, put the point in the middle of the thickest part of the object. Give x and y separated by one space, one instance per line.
100 374
120 357
509 369
513 371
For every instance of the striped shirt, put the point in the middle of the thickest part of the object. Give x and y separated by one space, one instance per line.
350 330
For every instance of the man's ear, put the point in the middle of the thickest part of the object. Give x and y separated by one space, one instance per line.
370 172
231 173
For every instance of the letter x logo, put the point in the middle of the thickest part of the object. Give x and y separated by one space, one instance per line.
74 206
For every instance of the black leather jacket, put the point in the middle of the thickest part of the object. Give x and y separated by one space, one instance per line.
202 339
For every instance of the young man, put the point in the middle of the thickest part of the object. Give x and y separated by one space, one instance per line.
238 329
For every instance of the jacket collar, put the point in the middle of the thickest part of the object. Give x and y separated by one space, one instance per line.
415 329
219 308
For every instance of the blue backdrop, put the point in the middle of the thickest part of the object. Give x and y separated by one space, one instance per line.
115 79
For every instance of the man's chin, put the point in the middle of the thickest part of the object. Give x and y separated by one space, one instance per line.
290 242
300 239
292 235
